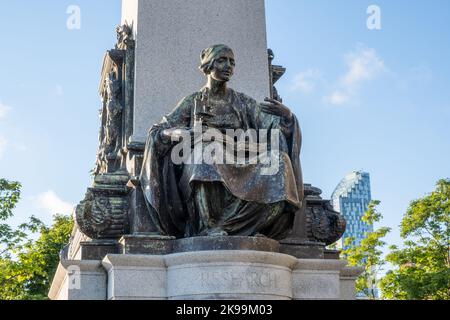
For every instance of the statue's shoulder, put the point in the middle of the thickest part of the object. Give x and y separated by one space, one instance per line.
188 100
191 97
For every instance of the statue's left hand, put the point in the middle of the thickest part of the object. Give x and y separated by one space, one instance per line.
276 108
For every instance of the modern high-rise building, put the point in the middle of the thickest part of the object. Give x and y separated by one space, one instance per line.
351 198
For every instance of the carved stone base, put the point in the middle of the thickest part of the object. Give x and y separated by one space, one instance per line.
302 249
156 245
146 244
226 243
205 275
331 254
98 249
216 275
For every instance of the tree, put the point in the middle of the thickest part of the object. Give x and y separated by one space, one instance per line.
9 196
422 266
368 253
27 265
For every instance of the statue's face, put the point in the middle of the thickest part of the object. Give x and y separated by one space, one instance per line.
223 66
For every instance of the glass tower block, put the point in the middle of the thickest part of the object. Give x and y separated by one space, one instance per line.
351 198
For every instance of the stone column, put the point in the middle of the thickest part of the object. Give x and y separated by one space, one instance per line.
170 35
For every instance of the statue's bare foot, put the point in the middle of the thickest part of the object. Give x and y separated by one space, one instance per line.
216 232
260 235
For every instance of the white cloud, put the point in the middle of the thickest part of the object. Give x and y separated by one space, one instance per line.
4 109
306 81
338 98
50 202
3 144
363 65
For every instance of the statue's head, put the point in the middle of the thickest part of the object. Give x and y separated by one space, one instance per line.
218 62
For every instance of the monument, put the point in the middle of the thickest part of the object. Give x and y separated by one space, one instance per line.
204 198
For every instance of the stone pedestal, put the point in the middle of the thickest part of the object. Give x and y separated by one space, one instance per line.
317 279
145 244
205 275
348 278
170 36
97 249
229 275
79 280
302 249
158 245
136 277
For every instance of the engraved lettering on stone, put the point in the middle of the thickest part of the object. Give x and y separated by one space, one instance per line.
236 280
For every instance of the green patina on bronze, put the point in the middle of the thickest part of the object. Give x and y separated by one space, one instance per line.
222 199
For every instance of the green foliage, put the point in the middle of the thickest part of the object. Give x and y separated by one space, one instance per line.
423 264
26 265
9 196
368 253
28 274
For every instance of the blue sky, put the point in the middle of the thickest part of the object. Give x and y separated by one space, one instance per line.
377 100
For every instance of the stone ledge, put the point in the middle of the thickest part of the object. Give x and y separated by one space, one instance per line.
267 258
57 283
351 272
160 245
84 265
320 264
122 260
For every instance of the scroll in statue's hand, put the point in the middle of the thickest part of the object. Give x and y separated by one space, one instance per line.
276 108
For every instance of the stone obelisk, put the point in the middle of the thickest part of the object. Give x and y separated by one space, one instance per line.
170 35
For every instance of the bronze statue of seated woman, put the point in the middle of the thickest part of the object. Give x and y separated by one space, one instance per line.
213 198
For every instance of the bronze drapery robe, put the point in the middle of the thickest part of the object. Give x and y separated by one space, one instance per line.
180 197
